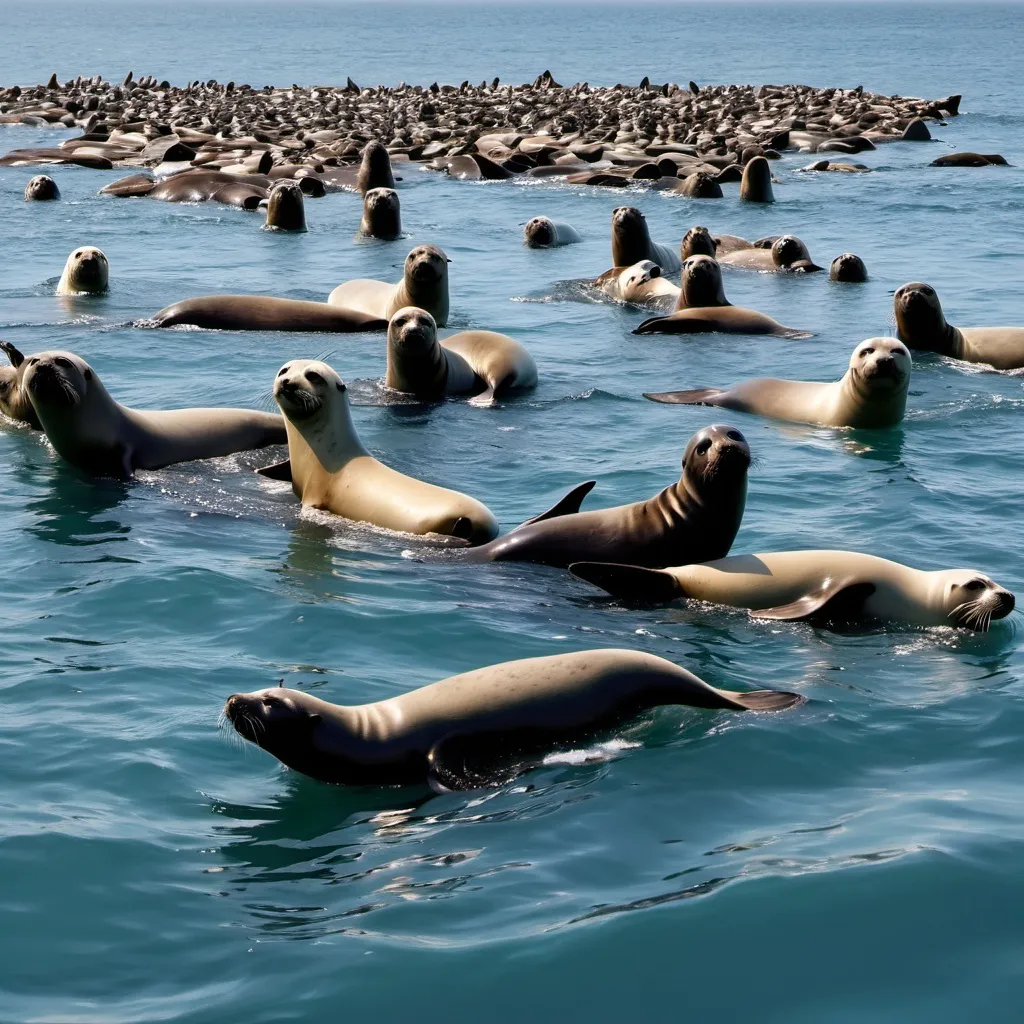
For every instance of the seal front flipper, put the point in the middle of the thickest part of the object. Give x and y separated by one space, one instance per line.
672 325
479 761
837 600
278 471
631 582
484 398
565 506
697 396
13 354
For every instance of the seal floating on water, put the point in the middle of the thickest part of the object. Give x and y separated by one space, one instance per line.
848 268
382 215
41 188
286 210
785 253
631 242
640 285
266 313
545 233
86 272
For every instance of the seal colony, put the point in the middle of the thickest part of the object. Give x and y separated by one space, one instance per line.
271 149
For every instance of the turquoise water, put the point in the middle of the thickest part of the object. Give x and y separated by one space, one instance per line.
857 859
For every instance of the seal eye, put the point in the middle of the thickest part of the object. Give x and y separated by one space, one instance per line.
88 375
61 361
314 378
974 585
735 435
340 386
283 370
78 255
704 447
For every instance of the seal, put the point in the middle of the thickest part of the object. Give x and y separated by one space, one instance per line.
286 210
921 324
756 184
697 242
848 268
331 470
86 272
703 307
94 433
382 215
817 586
424 284
631 242
455 733
787 254
640 285
545 233
970 160
481 363
41 188
872 392
692 520
374 168
14 401
266 313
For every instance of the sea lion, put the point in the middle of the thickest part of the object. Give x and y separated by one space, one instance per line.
839 167
42 188
198 186
697 242
241 195
86 272
424 284
690 521
455 733
700 185
756 185
481 363
266 313
787 253
374 168
920 324
820 586
331 470
640 284
970 160
93 432
286 210
14 400
631 242
703 307
382 215
849 268
726 244
544 233
872 392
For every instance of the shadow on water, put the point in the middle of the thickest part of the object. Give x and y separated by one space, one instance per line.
74 510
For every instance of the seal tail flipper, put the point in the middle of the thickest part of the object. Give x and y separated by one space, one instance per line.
12 353
484 398
697 396
764 700
568 505
278 471
836 601
631 582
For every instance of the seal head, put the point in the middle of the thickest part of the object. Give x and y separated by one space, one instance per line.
42 187
848 268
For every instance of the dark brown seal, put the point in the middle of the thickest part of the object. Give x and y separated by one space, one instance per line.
265 313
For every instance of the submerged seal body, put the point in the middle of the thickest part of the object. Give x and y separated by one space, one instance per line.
331 470
702 306
481 363
849 268
544 233
787 253
872 392
641 285
693 520
86 272
266 313
631 242
435 733
382 214
424 284
96 434
838 586
921 324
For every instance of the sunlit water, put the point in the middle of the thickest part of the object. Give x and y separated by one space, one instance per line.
856 859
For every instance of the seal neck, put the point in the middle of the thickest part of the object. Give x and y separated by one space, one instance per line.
329 436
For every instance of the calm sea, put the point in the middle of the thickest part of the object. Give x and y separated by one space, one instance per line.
856 860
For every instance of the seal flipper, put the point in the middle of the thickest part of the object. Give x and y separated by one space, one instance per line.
565 506
631 582
697 396
672 325
764 700
484 398
16 357
481 761
278 471
837 600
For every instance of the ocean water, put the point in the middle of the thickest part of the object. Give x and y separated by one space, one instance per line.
855 859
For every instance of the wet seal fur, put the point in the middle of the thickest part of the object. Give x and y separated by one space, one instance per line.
382 215
640 285
468 730
93 432
86 272
816 586
631 242
286 210
848 268
787 254
42 188
266 313
544 233
872 393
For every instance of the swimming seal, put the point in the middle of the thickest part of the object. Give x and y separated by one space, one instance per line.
920 324
331 470
872 392
848 268
631 242
481 363
817 586
756 184
692 520
93 432
544 233
786 253
266 313
14 400
445 733
86 272
970 160
424 284
374 168
703 307
697 242
640 285
42 188
286 210
382 215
